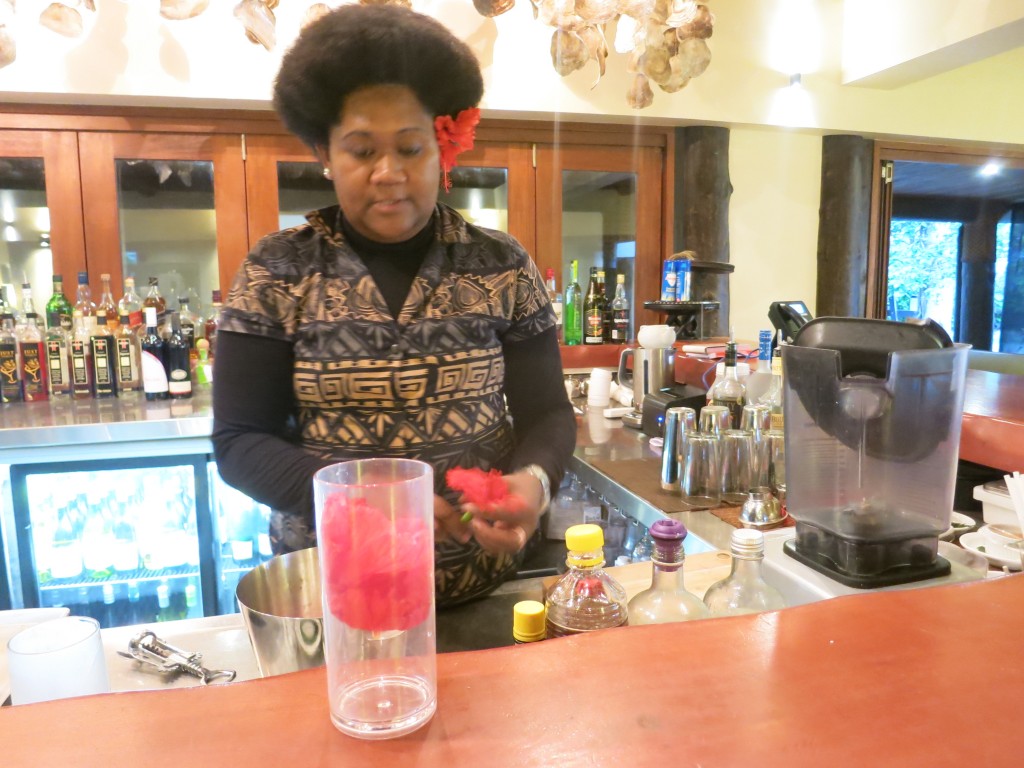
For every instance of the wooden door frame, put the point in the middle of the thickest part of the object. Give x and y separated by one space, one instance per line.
98 153
63 190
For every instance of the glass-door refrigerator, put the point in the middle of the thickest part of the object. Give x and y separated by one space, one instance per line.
126 541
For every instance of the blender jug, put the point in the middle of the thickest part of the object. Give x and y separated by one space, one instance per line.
873 411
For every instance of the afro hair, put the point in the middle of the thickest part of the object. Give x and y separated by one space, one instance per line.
356 46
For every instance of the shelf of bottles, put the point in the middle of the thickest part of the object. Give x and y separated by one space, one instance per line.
119 544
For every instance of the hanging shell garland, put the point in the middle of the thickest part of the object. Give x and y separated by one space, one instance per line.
667 38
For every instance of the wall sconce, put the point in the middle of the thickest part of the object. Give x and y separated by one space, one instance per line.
795 80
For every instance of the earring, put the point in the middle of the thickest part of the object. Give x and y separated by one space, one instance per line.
327 173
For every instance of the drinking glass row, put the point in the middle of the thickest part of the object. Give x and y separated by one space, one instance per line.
709 462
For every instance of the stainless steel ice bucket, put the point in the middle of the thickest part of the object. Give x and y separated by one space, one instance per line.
281 606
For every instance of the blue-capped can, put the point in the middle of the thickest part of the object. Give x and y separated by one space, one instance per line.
669 281
683 275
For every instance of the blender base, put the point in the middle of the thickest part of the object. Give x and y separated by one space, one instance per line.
897 575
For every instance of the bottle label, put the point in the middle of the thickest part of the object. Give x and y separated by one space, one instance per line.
179 383
127 365
620 325
33 371
10 379
57 362
80 367
777 422
154 377
103 362
669 281
594 331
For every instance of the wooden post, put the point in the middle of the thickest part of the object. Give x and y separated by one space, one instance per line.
977 278
843 226
702 192
1012 334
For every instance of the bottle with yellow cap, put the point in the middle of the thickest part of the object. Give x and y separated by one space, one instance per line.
586 597
528 621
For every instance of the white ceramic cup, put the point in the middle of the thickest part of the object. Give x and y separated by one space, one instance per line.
57 659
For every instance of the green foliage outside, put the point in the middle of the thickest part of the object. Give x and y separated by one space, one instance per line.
922 259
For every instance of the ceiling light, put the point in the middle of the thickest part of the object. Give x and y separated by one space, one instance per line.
990 169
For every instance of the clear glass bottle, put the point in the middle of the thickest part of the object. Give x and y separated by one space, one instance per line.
620 312
773 397
10 361
667 599
585 598
744 590
729 390
572 311
759 381
81 357
58 308
106 303
32 353
58 364
556 300
83 300
528 621
27 305
130 304
129 371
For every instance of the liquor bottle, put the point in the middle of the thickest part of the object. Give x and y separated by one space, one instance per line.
179 368
729 390
81 357
606 308
130 304
667 599
129 371
58 308
760 379
204 368
188 329
154 356
744 590
104 358
165 611
31 351
773 398
572 310
212 321
620 312
528 618
585 598
27 305
58 364
106 303
593 311
10 365
83 300
556 300
155 300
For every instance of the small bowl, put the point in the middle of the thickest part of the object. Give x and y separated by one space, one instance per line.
1004 533
959 523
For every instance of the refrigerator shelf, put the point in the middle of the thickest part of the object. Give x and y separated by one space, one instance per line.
121 577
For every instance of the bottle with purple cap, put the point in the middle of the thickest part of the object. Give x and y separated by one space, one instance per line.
667 599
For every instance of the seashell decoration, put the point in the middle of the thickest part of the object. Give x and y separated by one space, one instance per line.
178 10
257 17
62 19
8 49
491 8
665 39
314 12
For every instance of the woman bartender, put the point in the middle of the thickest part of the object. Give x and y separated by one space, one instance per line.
387 325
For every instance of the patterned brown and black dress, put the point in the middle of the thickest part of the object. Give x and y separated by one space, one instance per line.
312 367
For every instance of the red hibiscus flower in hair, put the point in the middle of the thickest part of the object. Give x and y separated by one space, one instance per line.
455 137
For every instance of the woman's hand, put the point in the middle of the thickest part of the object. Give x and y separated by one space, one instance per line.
448 523
505 528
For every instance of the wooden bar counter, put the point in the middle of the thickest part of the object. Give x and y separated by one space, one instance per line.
920 677
993 425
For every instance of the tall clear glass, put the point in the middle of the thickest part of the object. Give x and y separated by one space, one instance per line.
375 528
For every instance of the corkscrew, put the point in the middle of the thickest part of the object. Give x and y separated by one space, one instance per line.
149 649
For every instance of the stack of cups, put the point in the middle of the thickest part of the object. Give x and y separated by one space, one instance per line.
599 388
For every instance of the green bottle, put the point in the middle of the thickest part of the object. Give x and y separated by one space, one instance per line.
58 308
572 311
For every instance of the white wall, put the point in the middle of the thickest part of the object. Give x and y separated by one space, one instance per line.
773 222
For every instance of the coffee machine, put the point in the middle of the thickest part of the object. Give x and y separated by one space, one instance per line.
872 431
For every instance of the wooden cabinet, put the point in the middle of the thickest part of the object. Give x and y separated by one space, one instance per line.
187 194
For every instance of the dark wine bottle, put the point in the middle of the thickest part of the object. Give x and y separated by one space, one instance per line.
154 356
179 369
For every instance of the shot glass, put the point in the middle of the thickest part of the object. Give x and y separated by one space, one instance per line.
375 527
737 455
714 419
700 480
57 659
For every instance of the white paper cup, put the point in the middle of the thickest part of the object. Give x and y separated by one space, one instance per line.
599 388
57 659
